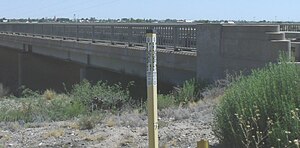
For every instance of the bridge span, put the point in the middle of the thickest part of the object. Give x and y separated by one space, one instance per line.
185 51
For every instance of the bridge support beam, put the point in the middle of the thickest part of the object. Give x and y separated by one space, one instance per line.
82 73
20 69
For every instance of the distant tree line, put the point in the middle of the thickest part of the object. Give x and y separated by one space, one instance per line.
130 20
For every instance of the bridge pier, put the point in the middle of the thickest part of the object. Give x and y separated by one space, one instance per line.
20 68
82 73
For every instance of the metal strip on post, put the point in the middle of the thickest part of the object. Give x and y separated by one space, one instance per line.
152 88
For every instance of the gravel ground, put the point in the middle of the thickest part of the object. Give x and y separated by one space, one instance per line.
180 127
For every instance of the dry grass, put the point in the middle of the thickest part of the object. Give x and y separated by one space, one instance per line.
127 141
86 123
172 143
14 126
96 138
49 94
175 113
74 126
133 119
55 133
111 122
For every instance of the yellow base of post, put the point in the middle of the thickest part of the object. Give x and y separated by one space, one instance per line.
152 117
202 144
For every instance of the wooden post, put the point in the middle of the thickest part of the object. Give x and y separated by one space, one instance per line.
202 144
152 88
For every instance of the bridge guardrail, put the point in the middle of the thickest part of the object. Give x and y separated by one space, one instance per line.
290 27
178 36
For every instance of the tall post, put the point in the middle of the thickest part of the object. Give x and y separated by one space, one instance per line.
152 88
20 67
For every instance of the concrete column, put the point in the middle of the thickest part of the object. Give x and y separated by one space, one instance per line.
296 48
82 73
210 64
20 69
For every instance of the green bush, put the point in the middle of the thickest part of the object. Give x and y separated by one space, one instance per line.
189 92
101 95
261 110
39 109
49 106
165 101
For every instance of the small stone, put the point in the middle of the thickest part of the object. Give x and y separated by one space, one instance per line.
10 144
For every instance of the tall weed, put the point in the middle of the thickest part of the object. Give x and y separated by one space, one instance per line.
261 110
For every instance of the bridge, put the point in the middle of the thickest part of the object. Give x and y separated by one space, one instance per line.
185 51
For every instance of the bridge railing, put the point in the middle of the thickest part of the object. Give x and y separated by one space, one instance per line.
178 36
290 27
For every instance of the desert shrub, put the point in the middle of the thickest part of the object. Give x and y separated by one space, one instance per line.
165 101
101 95
61 108
189 92
89 121
261 110
37 107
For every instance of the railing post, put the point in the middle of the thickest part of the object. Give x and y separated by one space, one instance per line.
32 29
64 31
42 30
130 37
93 33
52 34
77 32
175 37
112 32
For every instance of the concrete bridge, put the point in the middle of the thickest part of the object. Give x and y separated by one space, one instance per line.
185 51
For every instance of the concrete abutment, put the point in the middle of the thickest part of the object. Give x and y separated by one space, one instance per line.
228 49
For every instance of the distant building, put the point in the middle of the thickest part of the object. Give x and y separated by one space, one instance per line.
228 22
185 21
4 20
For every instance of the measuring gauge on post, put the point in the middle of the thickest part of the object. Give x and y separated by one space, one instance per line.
152 88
